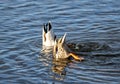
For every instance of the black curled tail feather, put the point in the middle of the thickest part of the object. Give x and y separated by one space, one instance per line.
45 29
49 26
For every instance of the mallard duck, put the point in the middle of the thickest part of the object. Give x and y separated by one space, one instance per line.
62 51
48 36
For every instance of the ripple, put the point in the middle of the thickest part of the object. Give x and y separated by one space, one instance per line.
92 30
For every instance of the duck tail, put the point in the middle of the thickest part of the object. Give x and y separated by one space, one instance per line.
76 57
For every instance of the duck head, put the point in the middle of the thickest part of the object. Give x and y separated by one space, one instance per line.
48 35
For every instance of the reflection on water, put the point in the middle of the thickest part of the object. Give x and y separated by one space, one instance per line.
47 49
93 31
58 68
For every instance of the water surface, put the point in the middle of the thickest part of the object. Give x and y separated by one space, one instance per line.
93 29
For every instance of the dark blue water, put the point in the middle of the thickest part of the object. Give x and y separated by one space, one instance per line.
93 31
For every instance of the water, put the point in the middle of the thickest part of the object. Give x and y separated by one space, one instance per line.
93 29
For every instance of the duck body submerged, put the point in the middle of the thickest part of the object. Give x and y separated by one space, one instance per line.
62 51
48 36
60 48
